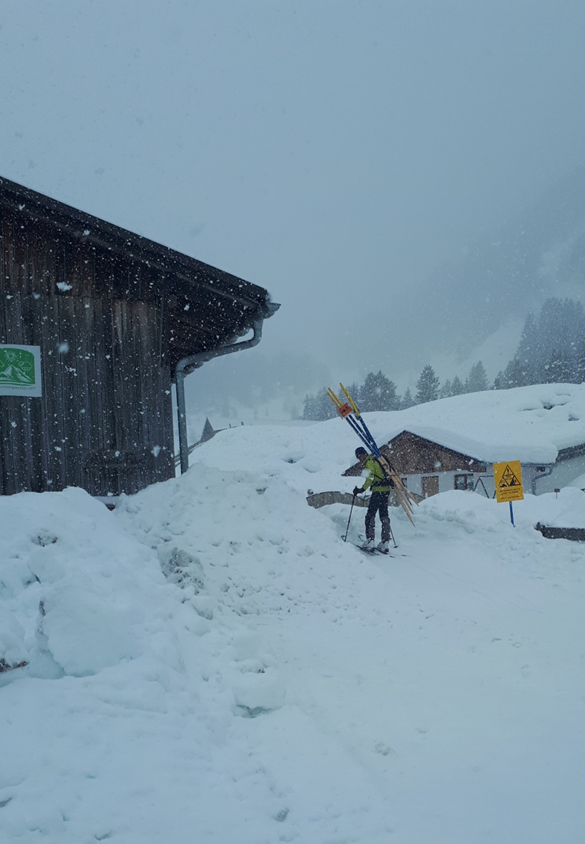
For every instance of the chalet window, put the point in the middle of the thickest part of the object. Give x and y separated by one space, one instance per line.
430 485
463 482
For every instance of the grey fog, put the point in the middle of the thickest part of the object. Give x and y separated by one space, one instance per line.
406 178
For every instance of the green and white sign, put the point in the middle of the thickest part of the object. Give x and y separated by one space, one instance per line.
20 371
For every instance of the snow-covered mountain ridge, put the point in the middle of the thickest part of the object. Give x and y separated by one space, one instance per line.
211 662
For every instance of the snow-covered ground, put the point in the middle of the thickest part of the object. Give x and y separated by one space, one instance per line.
211 663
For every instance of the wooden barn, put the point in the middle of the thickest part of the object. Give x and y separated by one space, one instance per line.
96 324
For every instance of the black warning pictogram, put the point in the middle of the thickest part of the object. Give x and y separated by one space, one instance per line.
508 478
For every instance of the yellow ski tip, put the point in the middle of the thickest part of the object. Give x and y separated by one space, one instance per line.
333 397
354 406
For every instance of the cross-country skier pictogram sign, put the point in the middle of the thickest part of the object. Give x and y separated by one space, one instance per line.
508 481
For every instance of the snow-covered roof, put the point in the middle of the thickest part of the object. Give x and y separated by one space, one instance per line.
531 424
578 483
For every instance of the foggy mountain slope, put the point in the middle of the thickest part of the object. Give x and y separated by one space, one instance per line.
468 310
508 272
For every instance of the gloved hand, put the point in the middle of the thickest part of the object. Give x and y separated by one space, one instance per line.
357 490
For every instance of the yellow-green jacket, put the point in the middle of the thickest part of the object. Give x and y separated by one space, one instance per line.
376 479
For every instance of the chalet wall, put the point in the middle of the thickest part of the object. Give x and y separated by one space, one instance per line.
104 421
562 474
446 482
414 455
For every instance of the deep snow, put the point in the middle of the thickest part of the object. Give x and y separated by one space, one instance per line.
210 662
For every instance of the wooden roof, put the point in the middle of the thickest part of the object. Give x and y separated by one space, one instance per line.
415 455
412 454
206 307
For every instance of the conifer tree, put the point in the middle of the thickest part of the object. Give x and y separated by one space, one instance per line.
309 408
427 386
407 400
513 375
319 407
324 406
445 391
580 363
477 380
560 368
378 393
528 354
457 387
549 345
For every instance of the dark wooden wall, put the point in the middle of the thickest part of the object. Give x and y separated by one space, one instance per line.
104 421
413 455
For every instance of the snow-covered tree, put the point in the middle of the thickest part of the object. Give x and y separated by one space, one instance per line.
378 393
477 380
560 368
580 363
445 391
407 400
512 376
309 409
528 354
549 347
318 408
457 386
427 386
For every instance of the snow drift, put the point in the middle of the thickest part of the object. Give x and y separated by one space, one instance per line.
210 662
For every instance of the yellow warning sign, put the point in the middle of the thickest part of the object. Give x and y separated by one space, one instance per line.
508 480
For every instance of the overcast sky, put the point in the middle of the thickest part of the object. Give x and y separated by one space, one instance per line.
334 152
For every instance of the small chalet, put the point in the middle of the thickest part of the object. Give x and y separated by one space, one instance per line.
453 443
96 324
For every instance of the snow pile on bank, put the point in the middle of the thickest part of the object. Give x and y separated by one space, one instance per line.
211 662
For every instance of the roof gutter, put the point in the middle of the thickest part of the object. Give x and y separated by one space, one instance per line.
186 365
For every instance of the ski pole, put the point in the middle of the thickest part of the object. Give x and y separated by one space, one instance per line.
349 520
392 535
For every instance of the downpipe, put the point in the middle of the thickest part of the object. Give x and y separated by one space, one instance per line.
186 365
539 477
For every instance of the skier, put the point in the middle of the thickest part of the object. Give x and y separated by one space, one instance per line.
381 486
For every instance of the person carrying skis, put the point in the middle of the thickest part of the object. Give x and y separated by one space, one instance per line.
380 485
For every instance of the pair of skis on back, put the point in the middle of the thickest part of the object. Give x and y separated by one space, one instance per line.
349 411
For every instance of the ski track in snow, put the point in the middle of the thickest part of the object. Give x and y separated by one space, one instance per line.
212 663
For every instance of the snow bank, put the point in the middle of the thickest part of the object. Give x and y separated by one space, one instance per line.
211 662
69 576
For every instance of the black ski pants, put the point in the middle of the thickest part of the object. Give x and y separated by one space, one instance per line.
378 504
